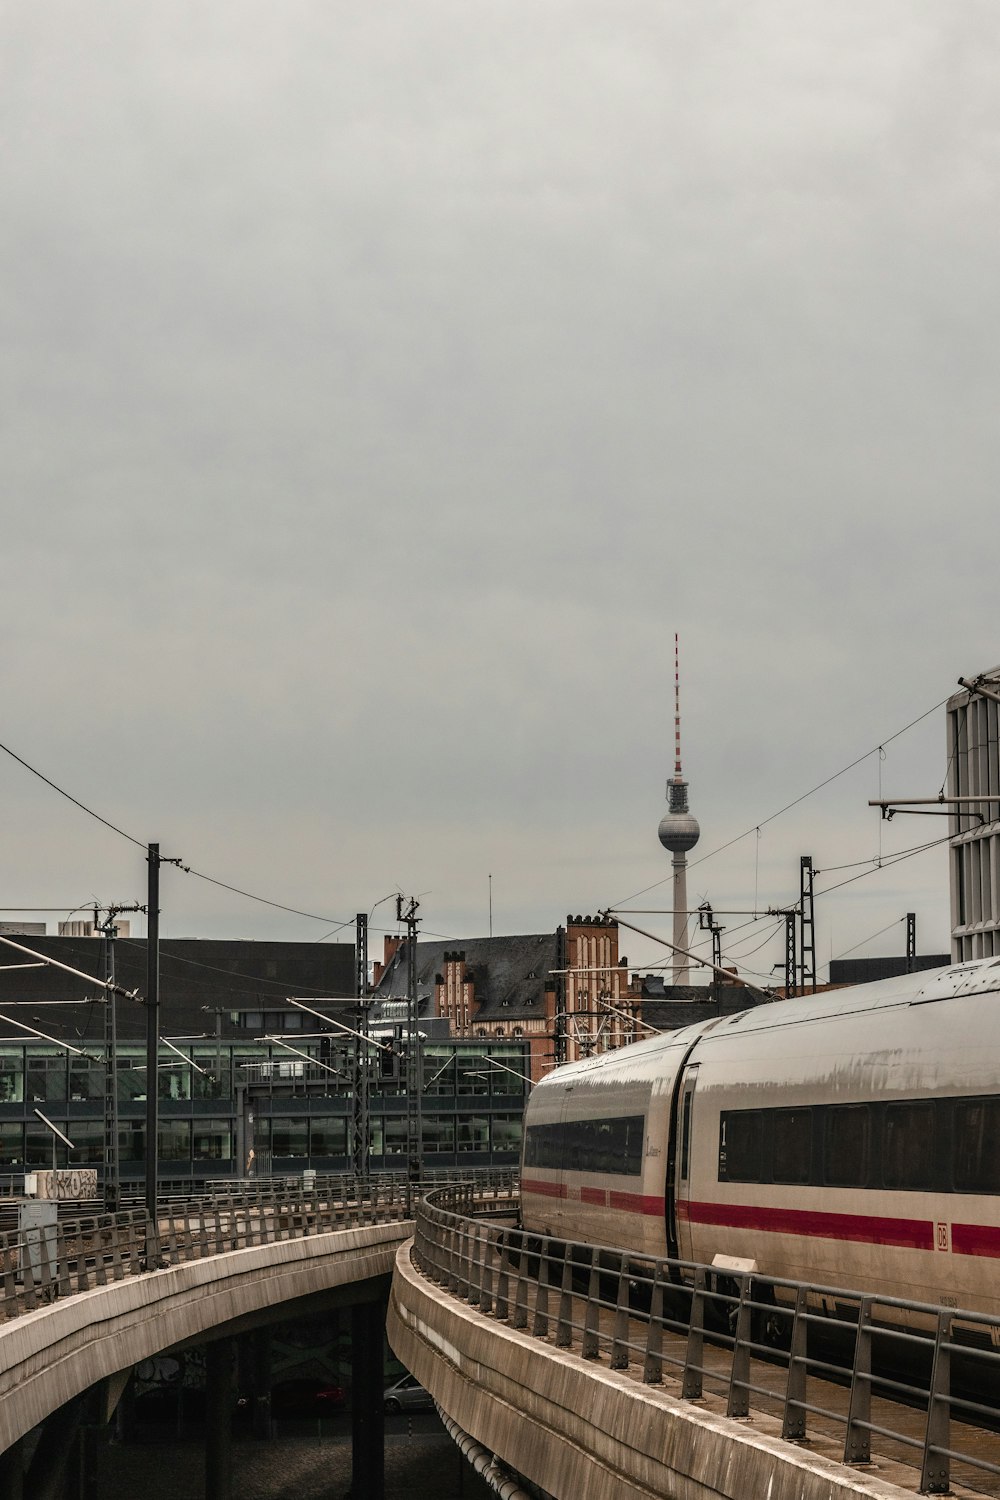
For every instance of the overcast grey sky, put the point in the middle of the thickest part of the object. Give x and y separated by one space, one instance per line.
382 386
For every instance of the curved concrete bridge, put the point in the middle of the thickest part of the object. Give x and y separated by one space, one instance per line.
51 1355
535 1370
84 1302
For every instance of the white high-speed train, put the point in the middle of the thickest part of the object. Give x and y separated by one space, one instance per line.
849 1138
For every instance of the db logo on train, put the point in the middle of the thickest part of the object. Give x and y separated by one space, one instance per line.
943 1239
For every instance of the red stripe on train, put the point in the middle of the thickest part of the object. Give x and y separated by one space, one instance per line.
597 1196
546 1189
865 1229
630 1203
975 1239
638 1203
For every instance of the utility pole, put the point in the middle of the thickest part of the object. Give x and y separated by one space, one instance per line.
414 1081
109 931
789 915
807 923
360 1107
559 1048
152 1034
154 860
707 923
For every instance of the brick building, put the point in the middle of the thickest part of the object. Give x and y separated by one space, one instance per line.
565 993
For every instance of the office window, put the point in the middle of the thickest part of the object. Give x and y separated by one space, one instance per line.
131 1142
12 1077
174 1138
289 1137
212 1140
88 1142
11 1143
506 1133
46 1077
438 1134
86 1078
394 1137
327 1136
42 1148
473 1133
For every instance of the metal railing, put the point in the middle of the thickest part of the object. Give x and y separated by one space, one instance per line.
936 1364
86 1248
39 1264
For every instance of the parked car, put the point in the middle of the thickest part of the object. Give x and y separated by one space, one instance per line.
407 1395
306 1398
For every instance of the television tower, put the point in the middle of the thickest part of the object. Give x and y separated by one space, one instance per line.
678 832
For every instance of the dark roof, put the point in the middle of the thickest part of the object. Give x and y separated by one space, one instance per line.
866 970
510 973
681 1004
228 975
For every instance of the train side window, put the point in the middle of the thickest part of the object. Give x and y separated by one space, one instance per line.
845 1146
977 1130
791 1145
908 1146
686 1134
740 1135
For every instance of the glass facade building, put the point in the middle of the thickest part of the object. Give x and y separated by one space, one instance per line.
220 1100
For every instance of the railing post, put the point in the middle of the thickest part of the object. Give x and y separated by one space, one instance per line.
858 1442
453 1256
793 1427
540 1323
619 1340
652 1369
489 1249
477 1241
695 1356
152 1246
564 1322
935 1473
503 1276
739 1374
470 1237
520 1318
591 1346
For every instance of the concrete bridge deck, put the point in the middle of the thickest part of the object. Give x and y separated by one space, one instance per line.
579 1429
51 1355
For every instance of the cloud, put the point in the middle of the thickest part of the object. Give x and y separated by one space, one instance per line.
381 390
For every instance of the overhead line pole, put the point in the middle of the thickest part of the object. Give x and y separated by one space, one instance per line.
154 860
414 1114
152 1038
726 974
360 1104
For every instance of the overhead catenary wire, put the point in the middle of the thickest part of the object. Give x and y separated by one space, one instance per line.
756 827
139 843
870 939
312 916
873 869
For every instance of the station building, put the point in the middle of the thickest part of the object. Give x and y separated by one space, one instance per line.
249 1077
973 747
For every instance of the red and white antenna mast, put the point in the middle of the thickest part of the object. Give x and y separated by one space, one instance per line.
678 831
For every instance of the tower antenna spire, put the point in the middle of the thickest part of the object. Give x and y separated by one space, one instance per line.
678 831
677 708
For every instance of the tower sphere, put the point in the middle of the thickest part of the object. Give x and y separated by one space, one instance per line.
678 832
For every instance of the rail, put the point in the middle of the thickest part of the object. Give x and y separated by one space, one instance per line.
84 1249
609 1305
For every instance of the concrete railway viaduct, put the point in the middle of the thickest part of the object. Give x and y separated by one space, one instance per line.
537 1419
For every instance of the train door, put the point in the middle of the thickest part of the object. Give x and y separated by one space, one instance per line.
684 1163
